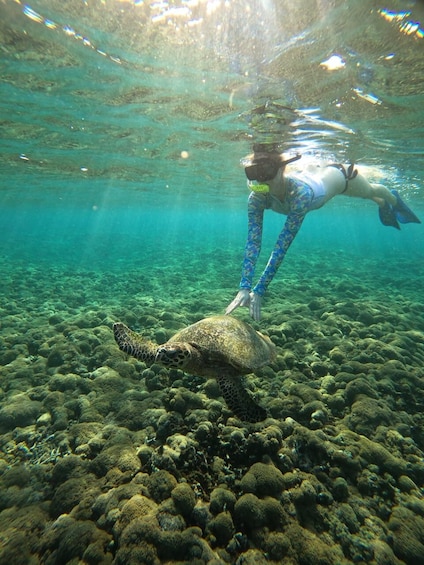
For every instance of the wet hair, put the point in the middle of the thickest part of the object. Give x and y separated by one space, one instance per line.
259 155
266 151
271 148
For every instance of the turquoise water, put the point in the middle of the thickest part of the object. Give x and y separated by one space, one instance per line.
96 123
122 197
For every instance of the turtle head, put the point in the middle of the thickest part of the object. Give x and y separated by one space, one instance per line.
176 355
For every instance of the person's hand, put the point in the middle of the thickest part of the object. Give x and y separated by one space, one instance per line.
255 306
242 299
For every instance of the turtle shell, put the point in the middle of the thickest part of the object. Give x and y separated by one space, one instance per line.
225 341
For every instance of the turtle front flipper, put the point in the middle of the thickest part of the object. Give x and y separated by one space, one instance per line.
239 400
132 343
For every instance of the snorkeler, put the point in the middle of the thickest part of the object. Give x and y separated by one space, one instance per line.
295 195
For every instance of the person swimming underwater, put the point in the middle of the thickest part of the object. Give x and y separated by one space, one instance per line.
295 195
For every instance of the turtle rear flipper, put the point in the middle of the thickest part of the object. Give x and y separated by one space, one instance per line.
239 400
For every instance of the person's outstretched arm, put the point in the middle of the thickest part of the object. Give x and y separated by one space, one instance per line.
255 213
285 239
291 227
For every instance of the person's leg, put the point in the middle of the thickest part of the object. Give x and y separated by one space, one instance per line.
392 209
334 182
359 187
337 179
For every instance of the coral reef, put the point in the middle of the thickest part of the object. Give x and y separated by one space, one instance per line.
104 461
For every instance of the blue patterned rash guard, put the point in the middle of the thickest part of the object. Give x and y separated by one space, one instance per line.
302 195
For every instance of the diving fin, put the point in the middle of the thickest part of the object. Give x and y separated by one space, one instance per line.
388 216
403 213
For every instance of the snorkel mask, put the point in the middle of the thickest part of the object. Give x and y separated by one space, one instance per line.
262 170
265 169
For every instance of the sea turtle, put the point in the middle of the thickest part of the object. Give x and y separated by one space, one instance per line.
220 346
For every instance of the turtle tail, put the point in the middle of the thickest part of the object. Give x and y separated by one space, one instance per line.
132 343
239 400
